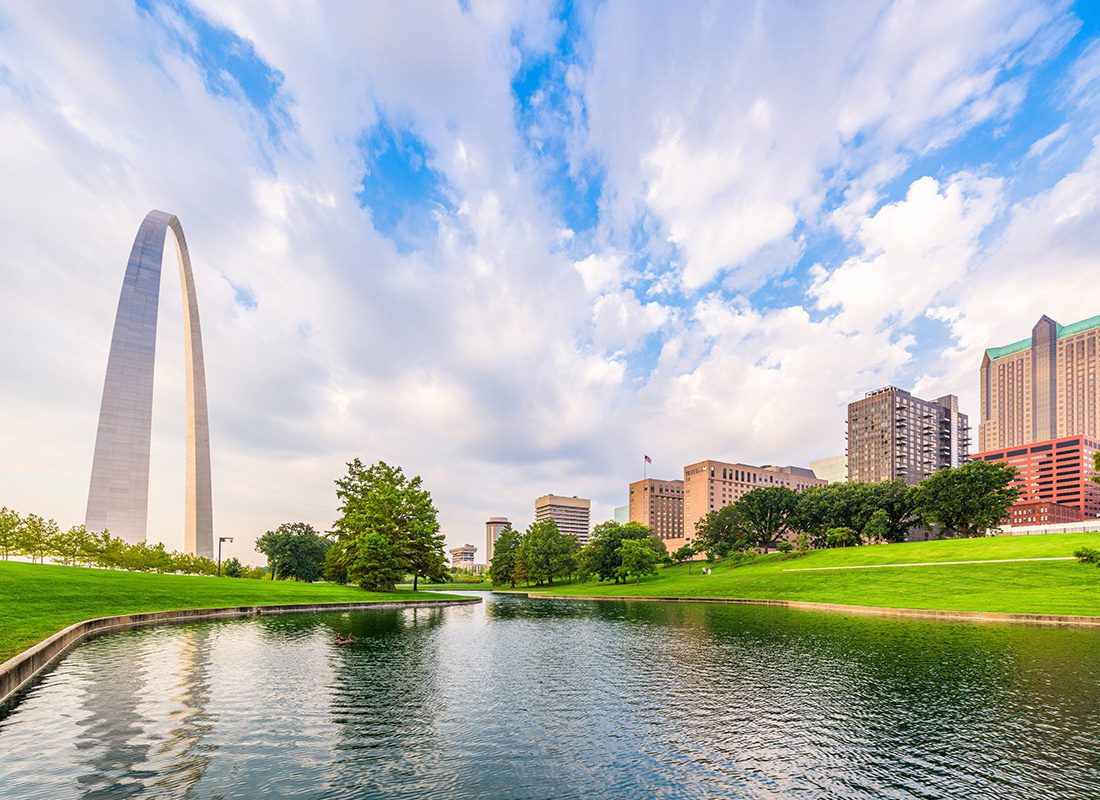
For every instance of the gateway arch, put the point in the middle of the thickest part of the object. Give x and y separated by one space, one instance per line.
118 497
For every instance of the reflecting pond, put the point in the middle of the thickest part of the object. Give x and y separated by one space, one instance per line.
518 698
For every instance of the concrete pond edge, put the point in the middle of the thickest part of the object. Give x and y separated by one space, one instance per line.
19 671
945 615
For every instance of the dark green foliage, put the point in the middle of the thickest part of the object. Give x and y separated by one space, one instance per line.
765 515
334 569
720 532
969 500
841 537
294 550
638 557
877 528
601 556
546 553
374 563
232 568
1088 555
381 500
502 566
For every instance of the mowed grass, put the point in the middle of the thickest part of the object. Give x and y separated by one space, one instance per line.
1038 587
37 600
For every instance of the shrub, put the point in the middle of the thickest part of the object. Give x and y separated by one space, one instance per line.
1088 555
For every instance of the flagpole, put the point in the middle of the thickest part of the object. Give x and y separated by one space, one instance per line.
644 462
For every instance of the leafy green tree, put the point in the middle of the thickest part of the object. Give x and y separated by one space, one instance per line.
502 566
877 528
294 550
232 568
721 532
684 553
35 536
1088 555
70 546
766 514
374 563
10 524
639 558
967 500
381 500
546 553
601 557
841 537
802 540
898 502
335 569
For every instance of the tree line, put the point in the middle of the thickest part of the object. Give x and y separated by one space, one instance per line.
38 539
542 553
961 501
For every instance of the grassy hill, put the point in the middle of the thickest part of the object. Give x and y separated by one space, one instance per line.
827 576
41 599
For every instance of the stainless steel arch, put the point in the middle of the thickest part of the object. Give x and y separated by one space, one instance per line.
118 496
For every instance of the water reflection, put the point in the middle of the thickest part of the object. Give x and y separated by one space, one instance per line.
523 698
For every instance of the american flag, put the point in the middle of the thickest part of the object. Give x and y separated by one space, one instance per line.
648 460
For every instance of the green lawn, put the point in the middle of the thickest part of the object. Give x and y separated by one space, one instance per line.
452 587
1052 587
40 599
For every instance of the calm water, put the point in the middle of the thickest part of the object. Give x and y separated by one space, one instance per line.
521 698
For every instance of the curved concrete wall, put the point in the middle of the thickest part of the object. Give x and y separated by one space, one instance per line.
1062 620
20 670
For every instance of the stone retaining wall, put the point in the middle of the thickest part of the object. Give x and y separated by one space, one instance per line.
1064 620
18 671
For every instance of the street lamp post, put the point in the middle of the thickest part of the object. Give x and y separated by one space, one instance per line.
220 540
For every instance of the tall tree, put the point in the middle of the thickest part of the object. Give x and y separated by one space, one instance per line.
35 536
766 514
546 553
967 500
601 556
374 563
721 532
10 523
294 550
502 566
639 558
381 500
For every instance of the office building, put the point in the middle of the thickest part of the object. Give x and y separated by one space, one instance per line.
463 557
571 514
1042 512
1054 471
831 470
494 527
622 514
659 505
1042 387
894 435
710 485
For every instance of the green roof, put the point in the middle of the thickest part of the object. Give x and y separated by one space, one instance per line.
1025 344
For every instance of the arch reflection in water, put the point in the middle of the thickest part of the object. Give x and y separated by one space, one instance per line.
525 698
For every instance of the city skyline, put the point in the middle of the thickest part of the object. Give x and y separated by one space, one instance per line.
496 246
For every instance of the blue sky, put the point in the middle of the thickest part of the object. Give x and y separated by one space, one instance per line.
514 246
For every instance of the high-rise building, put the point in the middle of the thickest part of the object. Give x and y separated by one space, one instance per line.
831 470
659 505
622 514
494 527
1054 471
894 435
570 513
463 557
1042 387
710 485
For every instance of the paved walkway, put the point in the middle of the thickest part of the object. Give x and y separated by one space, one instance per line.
932 563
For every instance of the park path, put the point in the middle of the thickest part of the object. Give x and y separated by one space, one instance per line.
931 563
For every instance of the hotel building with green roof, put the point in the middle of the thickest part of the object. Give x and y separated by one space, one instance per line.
1042 387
